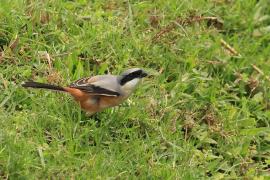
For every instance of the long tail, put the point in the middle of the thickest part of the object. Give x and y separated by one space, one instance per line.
42 86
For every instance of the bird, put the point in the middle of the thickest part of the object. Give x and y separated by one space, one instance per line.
99 92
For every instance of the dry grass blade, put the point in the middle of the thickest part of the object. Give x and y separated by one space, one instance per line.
216 62
189 20
53 75
62 54
163 31
2 54
229 48
40 153
45 55
256 68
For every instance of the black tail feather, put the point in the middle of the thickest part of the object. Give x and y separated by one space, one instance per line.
42 86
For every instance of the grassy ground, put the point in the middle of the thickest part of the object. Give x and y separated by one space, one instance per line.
203 114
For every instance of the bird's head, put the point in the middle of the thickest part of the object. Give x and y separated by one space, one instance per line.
131 77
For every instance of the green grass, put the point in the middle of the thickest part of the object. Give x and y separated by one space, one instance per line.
204 113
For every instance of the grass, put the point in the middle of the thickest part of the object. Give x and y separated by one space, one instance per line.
203 114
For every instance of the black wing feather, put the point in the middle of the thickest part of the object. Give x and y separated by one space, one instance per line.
84 85
96 90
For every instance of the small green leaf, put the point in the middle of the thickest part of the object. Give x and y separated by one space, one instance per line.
254 131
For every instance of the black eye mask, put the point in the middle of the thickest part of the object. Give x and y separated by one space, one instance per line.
128 77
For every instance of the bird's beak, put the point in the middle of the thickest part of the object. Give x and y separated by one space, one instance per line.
144 74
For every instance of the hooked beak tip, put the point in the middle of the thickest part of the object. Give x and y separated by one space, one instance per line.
144 74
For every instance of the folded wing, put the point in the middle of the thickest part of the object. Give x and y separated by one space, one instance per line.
100 85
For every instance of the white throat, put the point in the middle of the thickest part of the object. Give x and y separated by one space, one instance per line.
130 86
